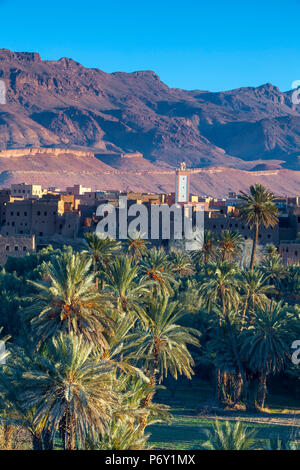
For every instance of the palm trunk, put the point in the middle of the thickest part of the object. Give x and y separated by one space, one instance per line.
48 441
233 342
218 385
245 309
149 397
8 431
255 241
37 443
262 389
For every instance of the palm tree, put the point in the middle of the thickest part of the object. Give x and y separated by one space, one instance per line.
230 245
266 346
220 288
273 268
208 252
161 346
124 289
157 268
136 246
181 262
230 436
254 286
258 208
72 392
69 301
121 436
102 250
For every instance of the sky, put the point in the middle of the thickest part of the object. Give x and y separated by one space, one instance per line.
190 44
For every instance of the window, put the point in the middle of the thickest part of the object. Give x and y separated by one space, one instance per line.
25 214
16 248
41 234
296 253
12 213
18 214
24 248
38 213
45 213
7 247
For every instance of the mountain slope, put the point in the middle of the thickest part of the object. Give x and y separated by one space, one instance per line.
63 104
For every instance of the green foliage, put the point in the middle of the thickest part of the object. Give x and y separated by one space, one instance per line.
230 436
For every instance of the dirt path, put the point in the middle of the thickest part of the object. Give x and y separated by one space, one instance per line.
278 419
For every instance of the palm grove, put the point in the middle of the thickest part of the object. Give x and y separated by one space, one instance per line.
92 334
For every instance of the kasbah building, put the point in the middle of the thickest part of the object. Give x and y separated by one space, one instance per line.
32 217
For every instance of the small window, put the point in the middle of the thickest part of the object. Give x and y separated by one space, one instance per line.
7 248
25 214
38 213
296 253
41 234
18 214
24 248
16 248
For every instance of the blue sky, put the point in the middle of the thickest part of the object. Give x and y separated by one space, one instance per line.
192 44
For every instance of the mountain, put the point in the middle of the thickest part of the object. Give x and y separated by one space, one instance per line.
64 124
63 104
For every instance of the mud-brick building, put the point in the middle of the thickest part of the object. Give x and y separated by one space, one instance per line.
290 252
17 246
43 218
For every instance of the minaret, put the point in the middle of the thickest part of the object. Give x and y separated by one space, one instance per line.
182 194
